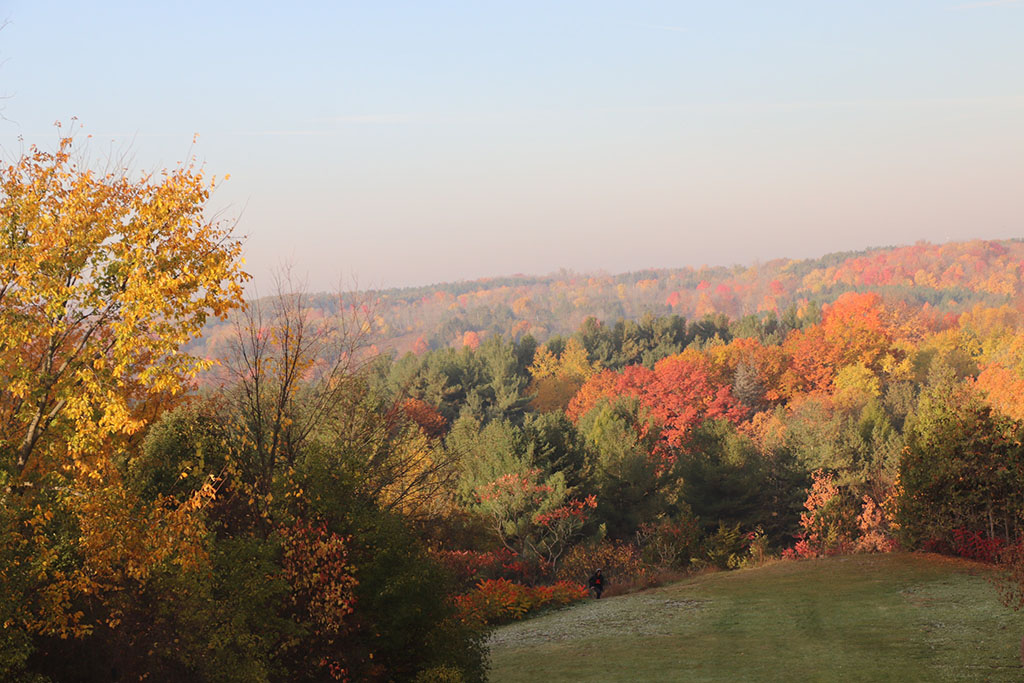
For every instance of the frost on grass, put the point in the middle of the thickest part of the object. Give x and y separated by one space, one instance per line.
649 615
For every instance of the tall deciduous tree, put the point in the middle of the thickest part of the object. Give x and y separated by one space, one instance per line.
680 393
103 279
963 468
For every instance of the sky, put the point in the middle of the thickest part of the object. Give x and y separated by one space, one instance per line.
408 143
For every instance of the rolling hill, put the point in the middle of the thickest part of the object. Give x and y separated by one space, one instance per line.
940 278
893 617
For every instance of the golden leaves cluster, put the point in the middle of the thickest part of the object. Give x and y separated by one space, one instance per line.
103 279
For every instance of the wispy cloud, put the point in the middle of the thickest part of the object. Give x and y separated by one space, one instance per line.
282 133
986 3
372 119
660 27
331 125
1004 101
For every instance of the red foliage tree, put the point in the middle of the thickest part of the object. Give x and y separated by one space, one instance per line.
683 395
426 416
680 393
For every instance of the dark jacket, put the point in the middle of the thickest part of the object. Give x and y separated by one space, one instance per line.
596 581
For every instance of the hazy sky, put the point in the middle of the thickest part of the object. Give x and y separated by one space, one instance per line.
415 142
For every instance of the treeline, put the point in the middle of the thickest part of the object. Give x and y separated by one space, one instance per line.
950 278
866 424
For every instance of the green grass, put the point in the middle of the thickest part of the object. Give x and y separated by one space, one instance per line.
897 617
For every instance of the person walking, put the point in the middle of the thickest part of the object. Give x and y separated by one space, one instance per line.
596 583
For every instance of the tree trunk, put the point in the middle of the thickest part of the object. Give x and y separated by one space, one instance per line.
991 523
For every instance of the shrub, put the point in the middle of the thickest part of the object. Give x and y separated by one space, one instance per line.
440 674
497 601
669 543
469 566
976 545
726 548
829 522
621 563
875 528
757 548
1010 581
802 550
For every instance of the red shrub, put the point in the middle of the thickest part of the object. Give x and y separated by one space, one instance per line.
976 545
470 567
497 601
801 551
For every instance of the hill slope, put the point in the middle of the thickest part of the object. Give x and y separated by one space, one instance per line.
898 617
949 278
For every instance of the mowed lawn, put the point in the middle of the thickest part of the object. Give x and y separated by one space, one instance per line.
897 617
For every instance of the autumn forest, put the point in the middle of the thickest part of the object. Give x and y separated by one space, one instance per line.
197 485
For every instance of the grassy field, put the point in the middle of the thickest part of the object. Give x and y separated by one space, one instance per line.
898 617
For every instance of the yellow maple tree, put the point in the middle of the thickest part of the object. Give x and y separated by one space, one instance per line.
103 279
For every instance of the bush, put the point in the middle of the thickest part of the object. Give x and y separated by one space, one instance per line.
669 543
497 601
621 564
829 523
440 674
876 525
977 545
726 548
470 567
757 550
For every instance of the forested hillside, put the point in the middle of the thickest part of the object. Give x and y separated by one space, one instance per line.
948 278
359 489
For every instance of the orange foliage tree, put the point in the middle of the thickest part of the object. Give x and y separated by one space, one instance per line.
748 358
679 393
856 330
829 522
471 339
426 417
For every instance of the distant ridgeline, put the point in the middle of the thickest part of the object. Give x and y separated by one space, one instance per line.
940 279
